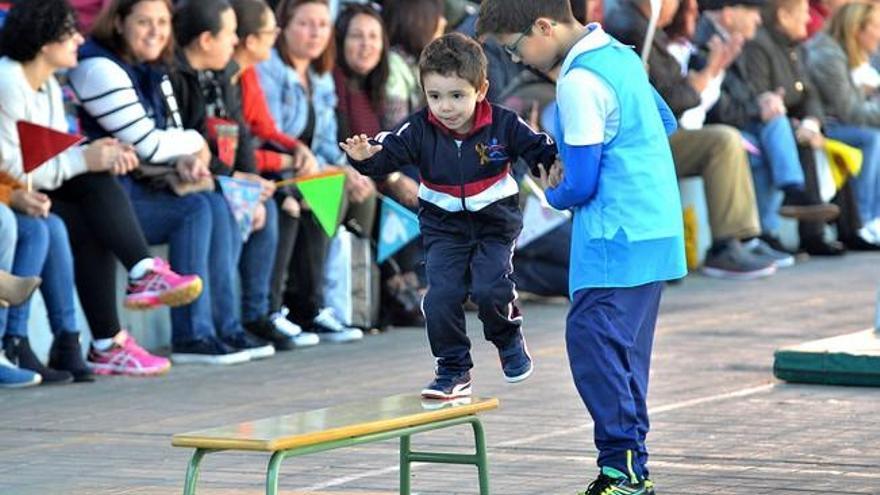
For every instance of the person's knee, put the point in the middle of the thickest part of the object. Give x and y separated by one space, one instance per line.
491 294
726 140
56 228
442 297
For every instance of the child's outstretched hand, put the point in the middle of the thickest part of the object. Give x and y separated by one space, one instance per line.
359 147
552 177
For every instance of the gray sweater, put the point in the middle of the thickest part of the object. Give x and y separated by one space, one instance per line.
843 100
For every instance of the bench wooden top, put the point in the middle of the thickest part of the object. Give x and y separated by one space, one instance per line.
333 423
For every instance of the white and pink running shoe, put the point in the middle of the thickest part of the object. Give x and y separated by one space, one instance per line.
161 286
126 357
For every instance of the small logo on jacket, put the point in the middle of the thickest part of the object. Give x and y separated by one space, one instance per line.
492 152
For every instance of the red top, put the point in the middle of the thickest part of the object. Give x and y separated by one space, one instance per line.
818 14
355 107
259 119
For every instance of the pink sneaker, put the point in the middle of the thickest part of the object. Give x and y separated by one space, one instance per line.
126 357
162 286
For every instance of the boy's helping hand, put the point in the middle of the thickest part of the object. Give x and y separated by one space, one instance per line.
359 148
553 177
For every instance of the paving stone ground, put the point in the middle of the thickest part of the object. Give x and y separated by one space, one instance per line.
721 423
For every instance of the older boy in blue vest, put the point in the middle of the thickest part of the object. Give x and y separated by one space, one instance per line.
468 206
619 179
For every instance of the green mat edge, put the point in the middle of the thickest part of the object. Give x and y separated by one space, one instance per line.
827 368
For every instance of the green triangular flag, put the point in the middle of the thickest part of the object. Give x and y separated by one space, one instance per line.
324 195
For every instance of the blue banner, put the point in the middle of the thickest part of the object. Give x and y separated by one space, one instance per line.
397 226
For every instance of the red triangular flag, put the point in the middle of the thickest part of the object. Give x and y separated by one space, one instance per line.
39 144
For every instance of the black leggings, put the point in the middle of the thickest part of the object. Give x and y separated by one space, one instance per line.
102 228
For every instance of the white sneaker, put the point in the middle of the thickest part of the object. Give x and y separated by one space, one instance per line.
332 330
873 228
299 337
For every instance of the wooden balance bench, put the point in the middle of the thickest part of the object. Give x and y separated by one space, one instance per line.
309 432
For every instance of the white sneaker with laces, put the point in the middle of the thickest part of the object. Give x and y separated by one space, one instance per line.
300 338
331 329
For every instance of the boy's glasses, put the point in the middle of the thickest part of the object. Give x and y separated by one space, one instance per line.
513 48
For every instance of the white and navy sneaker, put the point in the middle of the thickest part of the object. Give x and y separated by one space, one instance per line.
448 386
330 329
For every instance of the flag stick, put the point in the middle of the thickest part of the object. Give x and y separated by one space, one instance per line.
652 29
29 181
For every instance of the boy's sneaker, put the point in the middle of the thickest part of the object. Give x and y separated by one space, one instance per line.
256 347
209 350
516 362
11 376
763 250
161 286
735 262
126 357
18 351
448 386
330 329
613 482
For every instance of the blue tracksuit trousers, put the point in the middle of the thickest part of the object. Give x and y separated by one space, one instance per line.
609 336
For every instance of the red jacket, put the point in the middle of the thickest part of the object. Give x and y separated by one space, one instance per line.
262 125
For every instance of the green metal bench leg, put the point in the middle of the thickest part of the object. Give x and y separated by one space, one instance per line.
273 471
482 460
405 465
192 472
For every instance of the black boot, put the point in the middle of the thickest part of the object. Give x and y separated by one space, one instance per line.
19 351
66 354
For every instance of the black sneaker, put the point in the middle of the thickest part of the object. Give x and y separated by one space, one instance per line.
265 329
816 246
448 386
255 346
66 354
209 350
516 362
613 482
18 351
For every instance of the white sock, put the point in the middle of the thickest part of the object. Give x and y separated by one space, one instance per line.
141 268
102 344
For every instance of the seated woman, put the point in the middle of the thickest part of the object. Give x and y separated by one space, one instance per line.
39 39
834 56
301 95
125 93
202 80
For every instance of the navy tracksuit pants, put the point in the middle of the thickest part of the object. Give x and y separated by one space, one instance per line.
466 255
609 336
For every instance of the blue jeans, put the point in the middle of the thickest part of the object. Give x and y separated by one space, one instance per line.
867 183
778 166
226 247
185 224
43 249
8 238
255 267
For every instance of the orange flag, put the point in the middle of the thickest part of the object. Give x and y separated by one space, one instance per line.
39 144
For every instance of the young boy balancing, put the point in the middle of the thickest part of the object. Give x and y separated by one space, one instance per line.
627 239
469 213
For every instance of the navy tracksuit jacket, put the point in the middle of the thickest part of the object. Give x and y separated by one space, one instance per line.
470 218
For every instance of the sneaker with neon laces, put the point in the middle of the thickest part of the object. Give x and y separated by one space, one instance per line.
126 357
162 286
448 385
614 482
330 329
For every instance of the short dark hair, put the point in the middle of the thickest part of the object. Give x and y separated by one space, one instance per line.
515 16
105 33
251 17
376 80
194 17
284 12
454 54
411 24
33 24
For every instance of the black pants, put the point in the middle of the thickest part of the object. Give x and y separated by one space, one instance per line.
102 228
465 263
849 221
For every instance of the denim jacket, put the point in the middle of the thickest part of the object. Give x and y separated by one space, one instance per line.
288 102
